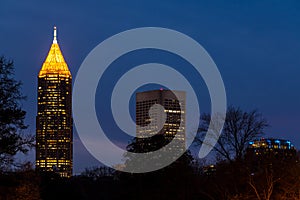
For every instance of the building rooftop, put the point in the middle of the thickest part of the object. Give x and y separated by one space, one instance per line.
271 143
55 62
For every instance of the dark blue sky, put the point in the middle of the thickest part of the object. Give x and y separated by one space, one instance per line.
255 44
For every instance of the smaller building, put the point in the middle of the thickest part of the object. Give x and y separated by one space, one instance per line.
272 147
209 170
168 120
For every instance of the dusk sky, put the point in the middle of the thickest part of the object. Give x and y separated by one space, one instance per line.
255 45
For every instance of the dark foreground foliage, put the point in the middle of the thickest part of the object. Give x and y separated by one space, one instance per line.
267 179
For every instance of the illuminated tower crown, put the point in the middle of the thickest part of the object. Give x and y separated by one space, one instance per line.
55 62
54 135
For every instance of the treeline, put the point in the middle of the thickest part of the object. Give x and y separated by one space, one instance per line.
264 179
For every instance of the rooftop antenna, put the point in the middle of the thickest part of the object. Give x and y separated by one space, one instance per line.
54 35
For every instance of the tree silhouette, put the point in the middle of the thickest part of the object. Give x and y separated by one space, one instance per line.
239 129
174 181
12 139
96 173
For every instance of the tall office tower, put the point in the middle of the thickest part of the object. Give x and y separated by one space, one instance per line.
167 119
54 135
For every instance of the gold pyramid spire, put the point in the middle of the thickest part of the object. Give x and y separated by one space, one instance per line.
55 62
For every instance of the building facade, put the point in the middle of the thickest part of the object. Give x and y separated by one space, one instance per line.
271 147
168 120
54 134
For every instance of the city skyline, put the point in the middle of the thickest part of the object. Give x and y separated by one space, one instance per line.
256 53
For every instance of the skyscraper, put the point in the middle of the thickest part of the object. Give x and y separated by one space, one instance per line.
54 135
172 116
